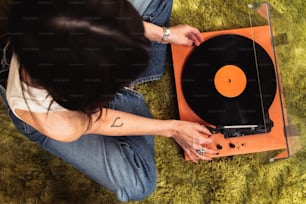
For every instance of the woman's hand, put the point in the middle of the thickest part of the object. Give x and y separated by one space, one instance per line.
179 34
184 35
192 137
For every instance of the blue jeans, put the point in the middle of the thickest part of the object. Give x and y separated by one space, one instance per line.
124 165
159 13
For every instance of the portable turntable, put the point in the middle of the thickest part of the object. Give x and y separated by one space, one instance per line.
230 83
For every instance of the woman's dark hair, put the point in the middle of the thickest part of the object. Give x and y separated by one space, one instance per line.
81 52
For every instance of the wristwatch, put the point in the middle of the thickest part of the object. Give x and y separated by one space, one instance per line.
166 34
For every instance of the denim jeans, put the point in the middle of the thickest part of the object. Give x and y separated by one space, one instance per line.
125 165
158 12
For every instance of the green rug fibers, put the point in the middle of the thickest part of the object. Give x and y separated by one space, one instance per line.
30 175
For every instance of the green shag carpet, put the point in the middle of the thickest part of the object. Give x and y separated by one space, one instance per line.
30 175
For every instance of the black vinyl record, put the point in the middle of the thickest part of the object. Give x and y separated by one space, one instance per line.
250 105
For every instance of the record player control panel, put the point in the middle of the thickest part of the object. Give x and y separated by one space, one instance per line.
230 145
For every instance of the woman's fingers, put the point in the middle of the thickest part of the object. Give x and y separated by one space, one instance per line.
185 35
195 156
199 152
196 38
195 139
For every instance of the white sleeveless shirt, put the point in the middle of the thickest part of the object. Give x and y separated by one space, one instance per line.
29 98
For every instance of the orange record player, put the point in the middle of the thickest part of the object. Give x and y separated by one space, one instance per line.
230 84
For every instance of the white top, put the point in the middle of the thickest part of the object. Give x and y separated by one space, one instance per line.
29 98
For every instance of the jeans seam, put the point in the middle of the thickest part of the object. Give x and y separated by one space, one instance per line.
147 79
133 92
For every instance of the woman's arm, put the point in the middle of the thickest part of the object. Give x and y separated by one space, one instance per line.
70 125
179 34
189 135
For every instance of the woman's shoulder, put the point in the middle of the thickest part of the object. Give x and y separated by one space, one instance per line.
64 126
21 95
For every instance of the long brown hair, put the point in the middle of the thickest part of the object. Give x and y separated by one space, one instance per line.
81 52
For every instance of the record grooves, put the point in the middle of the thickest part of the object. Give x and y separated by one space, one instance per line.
229 80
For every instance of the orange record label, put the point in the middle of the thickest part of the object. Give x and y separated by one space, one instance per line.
230 81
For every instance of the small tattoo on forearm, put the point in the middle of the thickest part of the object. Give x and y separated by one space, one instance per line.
117 123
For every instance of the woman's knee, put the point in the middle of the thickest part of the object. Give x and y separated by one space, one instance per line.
158 12
140 182
139 191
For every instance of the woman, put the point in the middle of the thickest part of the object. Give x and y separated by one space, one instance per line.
69 86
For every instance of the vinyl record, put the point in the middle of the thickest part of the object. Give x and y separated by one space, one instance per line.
229 80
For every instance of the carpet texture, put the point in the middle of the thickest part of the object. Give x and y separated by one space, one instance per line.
31 175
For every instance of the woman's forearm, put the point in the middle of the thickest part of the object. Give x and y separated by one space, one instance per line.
118 123
153 32
189 135
179 34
